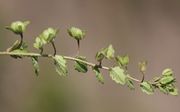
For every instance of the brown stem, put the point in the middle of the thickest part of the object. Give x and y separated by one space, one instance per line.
54 47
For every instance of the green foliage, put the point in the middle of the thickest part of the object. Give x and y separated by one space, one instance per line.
61 65
119 73
167 72
80 66
122 60
130 84
18 27
107 53
99 76
35 65
76 33
147 87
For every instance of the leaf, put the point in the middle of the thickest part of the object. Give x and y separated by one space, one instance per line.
147 88
61 65
80 66
76 33
130 84
173 92
117 74
14 46
143 66
167 72
166 80
107 53
122 60
163 89
99 56
99 76
35 65
15 49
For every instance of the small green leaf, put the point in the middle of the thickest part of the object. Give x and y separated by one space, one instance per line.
167 72
14 46
18 27
61 65
76 33
166 80
173 92
143 66
130 84
80 66
99 76
35 65
99 56
107 53
15 49
163 89
147 88
122 60
117 74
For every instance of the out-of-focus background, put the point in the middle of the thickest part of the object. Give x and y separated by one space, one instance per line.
144 29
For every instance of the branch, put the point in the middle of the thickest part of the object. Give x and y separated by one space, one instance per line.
65 57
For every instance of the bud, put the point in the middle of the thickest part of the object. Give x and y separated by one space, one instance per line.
48 35
18 27
76 33
143 66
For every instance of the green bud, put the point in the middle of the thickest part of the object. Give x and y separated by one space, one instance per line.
76 33
48 35
143 66
18 27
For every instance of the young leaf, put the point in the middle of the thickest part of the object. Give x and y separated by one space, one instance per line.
99 56
117 74
14 46
122 60
61 65
109 52
167 72
79 66
147 88
15 49
18 27
35 65
163 89
99 76
76 33
130 84
173 92
166 80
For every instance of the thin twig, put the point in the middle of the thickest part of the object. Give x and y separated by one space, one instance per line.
54 47
65 57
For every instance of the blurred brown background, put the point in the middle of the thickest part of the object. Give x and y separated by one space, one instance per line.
144 29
